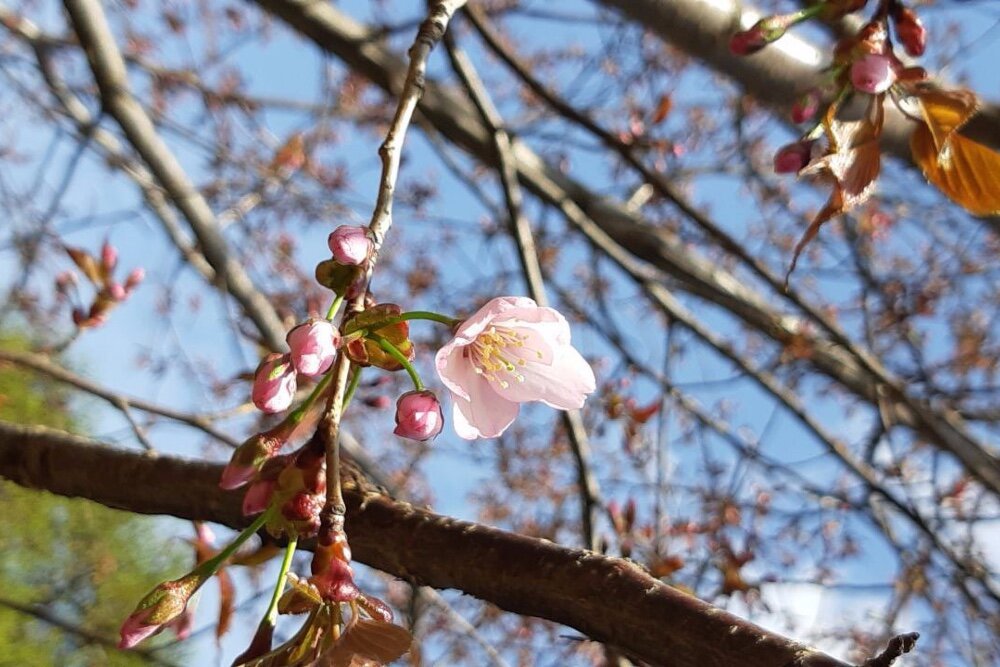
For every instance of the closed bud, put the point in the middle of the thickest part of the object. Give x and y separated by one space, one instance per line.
135 277
163 606
313 346
873 74
109 257
251 456
418 415
351 245
791 158
805 107
760 34
274 384
116 291
911 31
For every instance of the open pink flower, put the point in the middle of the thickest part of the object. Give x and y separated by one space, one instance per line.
511 351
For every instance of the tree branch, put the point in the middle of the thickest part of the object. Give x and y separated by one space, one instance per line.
90 24
608 599
454 118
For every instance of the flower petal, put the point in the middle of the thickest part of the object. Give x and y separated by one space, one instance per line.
564 384
485 414
453 368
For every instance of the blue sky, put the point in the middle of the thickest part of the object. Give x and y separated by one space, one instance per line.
287 67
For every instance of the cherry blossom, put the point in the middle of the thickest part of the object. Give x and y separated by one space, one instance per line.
511 351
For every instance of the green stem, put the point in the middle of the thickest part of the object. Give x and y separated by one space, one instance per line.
209 567
334 307
429 315
808 13
400 357
351 388
286 563
300 412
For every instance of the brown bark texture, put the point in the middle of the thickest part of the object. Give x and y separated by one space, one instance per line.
610 600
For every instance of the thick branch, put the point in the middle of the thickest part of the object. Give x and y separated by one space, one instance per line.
607 599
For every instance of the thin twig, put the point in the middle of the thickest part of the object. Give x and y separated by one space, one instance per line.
44 365
108 66
898 645
576 431
430 33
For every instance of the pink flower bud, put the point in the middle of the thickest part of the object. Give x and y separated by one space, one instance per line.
873 74
116 291
249 458
163 605
274 384
760 34
418 415
911 31
792 157
135 277
258 497
805 107
109 257
336 583
313 346
351 245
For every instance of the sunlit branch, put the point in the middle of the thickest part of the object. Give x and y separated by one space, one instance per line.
90 25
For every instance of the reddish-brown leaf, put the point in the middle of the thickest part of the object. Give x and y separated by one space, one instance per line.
966 171
227 603
663 108
851 164
375 640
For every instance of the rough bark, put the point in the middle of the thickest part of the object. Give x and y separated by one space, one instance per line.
607 599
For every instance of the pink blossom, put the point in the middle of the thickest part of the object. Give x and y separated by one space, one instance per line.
418 415
350 245
274 383
116 291
313 346
806 107
873 74
509 352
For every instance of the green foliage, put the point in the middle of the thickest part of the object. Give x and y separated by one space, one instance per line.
83 563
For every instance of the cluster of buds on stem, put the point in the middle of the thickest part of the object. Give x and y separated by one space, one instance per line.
312 348
863 63
109 292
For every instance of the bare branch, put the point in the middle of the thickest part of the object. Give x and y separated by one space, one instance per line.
452 117
108 66
589 489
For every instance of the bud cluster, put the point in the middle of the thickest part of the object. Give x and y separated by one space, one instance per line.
864 63
100 272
